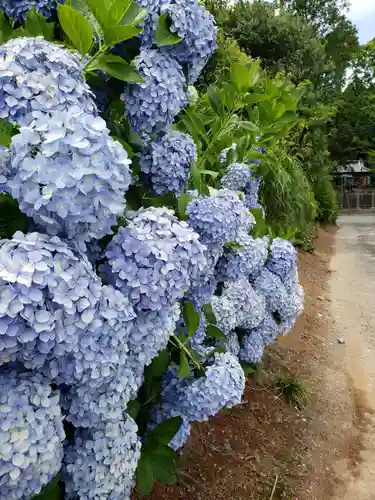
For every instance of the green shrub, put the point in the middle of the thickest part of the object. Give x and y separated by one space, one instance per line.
326 198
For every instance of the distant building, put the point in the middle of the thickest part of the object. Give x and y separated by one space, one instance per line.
355 167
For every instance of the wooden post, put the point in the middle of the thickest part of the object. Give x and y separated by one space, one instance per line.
358 201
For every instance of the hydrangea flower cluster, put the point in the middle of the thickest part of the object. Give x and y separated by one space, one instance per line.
245 261
192 23
36 75
17 9
153 105
220 218
69 175
31 434
282 259
102 461
167 162
197 400
155 259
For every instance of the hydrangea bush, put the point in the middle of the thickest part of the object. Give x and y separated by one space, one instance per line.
143 278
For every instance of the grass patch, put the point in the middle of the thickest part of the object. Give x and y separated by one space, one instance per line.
293 390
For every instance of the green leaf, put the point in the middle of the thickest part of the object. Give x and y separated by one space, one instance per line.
160 364
82 7
5 29
116 34
145 475
7 131
211 173
215 332
249 126
117 11
36 25
209 313
116 66
164 432
133 408
241 76
164 465
196 178
255 98
191 318
184 370
134 15
100 10
248 368
76 27
163 34
51 491
182 203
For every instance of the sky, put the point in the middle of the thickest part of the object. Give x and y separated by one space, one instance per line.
362 13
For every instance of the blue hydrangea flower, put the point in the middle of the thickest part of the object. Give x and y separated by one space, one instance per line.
239 306
167 162
90 404
155 259
283 258
251 192
268 329
221 387
252 347
152 106
245 261
69 175
55 315
36 75
197 29
31 434
278 299
202 293
102 461
219 218
151 332
192 23
224 154
17 9
232 343
237 176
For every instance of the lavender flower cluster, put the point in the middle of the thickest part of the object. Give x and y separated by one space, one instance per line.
17 9
91 336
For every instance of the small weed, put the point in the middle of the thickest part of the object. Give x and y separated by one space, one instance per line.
293 390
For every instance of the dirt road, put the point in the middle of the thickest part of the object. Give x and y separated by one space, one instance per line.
348 389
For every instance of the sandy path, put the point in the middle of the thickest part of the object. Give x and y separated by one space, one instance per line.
349 376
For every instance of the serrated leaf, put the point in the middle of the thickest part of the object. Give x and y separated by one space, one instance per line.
36 25
160 364
191 318
134 15
145 475
215 332
184 370
132 408
117 34
76 27
164 432
7 131
163 33
116 66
